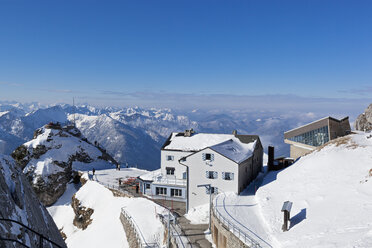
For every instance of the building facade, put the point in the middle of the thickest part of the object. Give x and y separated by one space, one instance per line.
306 138
228 162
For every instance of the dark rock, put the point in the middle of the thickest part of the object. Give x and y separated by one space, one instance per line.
82 214
38 151
364 120
21 156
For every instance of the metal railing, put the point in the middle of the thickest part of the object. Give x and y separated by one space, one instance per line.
167 180
178 237
141 241
242 235
115 187
42 238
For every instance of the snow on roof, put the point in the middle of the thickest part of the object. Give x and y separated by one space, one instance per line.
235 150
197 141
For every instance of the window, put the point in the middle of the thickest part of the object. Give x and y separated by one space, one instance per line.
228 176
148 186
161 191
208 156
211 174
170 170
315 137
214 190
170 158
184 175
176 192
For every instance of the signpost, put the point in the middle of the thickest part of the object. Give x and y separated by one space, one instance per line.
287 206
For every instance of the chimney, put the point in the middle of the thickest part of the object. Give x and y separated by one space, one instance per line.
235 132
270 162
188 133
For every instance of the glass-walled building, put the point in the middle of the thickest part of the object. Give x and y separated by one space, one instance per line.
306 138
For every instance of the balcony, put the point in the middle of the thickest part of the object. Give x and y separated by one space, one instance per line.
162 179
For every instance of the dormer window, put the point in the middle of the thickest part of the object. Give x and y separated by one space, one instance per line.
170 158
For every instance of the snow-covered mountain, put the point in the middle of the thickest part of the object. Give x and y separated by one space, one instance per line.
51 157
19 202
126 144
135 135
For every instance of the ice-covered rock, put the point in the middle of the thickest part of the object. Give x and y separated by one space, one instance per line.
18 202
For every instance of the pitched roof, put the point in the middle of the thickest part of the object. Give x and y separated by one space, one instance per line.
235 150
199 141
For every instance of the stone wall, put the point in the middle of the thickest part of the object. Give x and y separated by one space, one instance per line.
222 237
129 232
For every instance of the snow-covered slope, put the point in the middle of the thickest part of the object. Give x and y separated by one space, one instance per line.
50 158
18 202
105 228
331 191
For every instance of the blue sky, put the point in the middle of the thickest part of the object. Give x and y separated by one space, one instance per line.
123 52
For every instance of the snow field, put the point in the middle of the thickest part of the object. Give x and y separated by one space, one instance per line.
331 194
106 229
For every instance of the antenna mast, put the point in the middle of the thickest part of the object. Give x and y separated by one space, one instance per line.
73 104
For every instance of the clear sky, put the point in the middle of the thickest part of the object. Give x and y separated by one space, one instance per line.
105 51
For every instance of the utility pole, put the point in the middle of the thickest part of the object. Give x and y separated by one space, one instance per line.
168 238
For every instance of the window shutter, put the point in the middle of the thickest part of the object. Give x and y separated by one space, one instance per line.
203 155
207 174
207 191
212 157
223 175
232 176
215 174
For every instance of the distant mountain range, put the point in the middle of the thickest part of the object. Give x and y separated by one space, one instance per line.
135 135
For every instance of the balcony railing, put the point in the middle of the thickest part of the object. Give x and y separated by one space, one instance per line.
168 180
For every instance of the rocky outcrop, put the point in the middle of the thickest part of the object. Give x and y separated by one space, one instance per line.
364 120
49 160
19 202
82 214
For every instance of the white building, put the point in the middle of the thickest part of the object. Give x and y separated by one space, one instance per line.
228 162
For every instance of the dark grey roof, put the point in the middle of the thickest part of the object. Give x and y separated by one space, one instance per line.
246 139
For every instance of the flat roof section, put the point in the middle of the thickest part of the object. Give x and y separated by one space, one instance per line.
311 123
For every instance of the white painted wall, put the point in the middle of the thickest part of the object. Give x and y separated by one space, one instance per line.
179 169
168 195
197 171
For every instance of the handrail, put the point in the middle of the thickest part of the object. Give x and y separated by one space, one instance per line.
111 186
178 235
41 236
235 229
166 180
140 238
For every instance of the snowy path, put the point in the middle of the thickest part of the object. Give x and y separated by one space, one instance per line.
244 212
